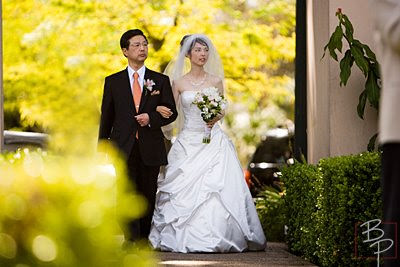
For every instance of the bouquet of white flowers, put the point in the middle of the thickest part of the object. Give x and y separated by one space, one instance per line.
211 103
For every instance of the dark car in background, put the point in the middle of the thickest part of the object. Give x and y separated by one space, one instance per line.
14 140
272 153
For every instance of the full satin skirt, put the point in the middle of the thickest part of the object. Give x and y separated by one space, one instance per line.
203 203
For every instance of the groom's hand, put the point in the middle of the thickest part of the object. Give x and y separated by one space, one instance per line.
143 119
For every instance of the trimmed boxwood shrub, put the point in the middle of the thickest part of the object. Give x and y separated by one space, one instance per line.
324 203
300 208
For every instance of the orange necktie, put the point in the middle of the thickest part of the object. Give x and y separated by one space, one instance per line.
137 94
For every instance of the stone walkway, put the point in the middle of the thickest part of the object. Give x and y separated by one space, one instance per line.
276 254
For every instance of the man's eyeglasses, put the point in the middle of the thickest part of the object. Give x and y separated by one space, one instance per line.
137 45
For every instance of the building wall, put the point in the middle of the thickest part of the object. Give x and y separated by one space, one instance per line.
334 127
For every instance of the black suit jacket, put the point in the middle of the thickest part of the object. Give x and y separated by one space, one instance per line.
117 115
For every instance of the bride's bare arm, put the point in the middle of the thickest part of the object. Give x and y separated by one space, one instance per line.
164 111
176 92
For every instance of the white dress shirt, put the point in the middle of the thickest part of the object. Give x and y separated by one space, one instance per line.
141 73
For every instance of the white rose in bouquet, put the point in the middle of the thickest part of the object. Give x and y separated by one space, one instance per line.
210 103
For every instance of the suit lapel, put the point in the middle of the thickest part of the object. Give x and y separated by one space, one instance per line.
127 90
145 93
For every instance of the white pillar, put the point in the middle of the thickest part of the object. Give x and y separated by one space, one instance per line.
333 127
318 117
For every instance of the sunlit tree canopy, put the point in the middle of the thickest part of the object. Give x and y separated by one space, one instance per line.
57 53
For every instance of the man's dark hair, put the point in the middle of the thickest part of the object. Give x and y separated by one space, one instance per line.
124 41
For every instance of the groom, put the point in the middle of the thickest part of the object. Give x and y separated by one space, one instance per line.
129 118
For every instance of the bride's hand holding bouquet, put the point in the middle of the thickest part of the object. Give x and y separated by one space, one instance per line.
212 106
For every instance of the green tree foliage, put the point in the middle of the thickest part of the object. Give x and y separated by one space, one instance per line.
57 52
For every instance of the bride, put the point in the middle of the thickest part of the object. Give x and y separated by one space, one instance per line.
203 203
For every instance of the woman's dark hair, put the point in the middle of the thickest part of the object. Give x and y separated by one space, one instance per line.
194 41
124 41
184 38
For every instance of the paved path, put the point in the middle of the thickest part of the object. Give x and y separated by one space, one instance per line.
276 254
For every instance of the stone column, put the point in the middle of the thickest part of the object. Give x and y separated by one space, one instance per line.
333 126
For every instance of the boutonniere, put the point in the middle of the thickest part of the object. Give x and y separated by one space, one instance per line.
148 85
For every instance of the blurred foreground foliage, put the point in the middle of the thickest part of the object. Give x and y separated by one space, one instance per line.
66 211
57 53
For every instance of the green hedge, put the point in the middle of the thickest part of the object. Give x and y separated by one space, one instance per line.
324 203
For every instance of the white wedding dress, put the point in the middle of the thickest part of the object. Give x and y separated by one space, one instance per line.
203 203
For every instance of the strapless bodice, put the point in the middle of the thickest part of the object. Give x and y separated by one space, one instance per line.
192 118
